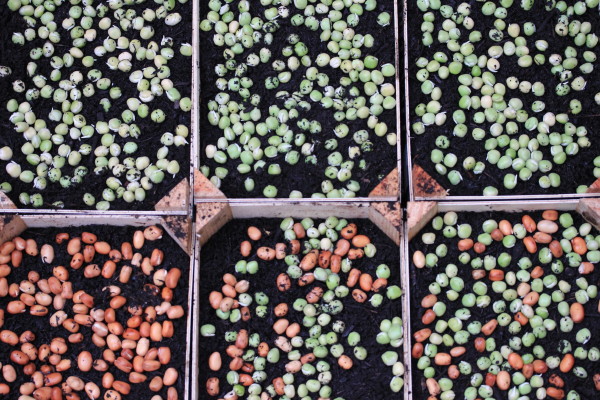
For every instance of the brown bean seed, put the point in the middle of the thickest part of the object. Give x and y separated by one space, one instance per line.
138 240
125 274
151 365
281 310
360 241
359 296
16 257
63 365
153 233
89 252
433 387
164 355
75 383
266 253
9 373
159 277
280 326
342 247
19 357
173 277
306 279
242 286
293 330
345 362
349 231
157 257
156 384
84 361
353 277
314 295
47 253
15 307
335 263
214 361
123 364
136 377
107 380
31 247
541 237
122 387
245 248
283 282
293 366
309 261
92 390
547 226
53 379
175 312
212 386
366 282
254 233
156 332
6 248
241 341
529 223
43 393
170 377
4 271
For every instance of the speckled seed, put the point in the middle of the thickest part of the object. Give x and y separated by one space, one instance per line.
212 386
153 233
283 282
266 253
47 253
92 390
345 362
281 310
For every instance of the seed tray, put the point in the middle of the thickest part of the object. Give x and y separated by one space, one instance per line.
178 244
216 220
420 214
423 181
173 195
388 189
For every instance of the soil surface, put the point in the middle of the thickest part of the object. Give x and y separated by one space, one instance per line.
423 277
368 379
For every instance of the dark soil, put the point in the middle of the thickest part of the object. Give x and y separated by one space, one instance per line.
577 170
17 57
304 177
423 277
368 379
133 291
